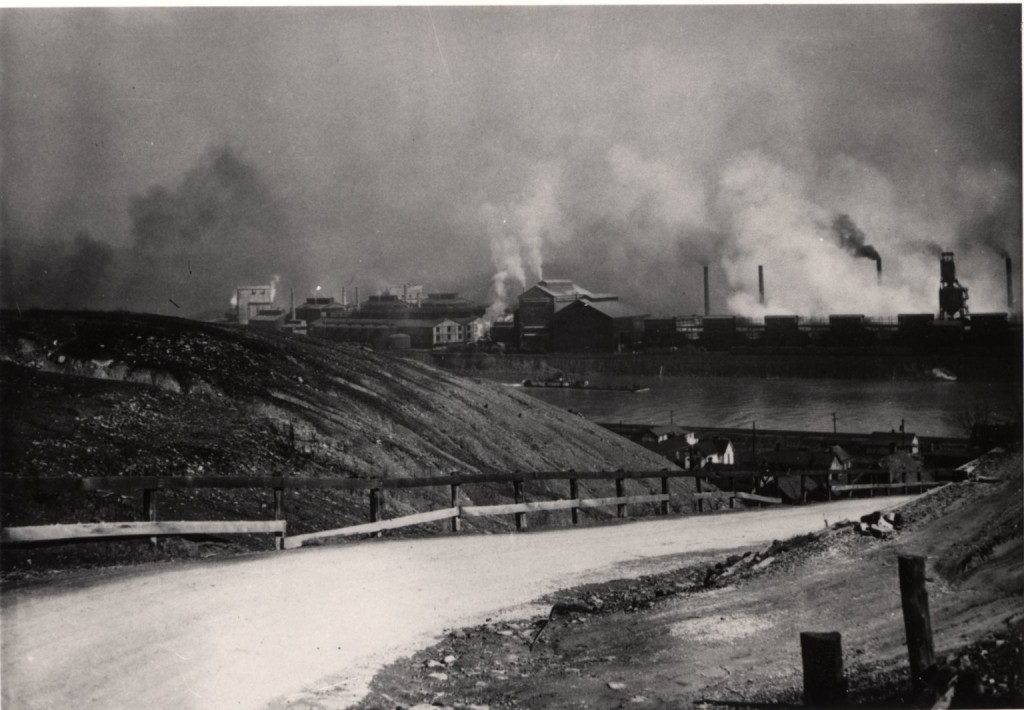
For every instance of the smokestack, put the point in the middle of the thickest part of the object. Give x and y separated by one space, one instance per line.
760 283
344 297
292 314
1009 283
707 296
357 298
878 270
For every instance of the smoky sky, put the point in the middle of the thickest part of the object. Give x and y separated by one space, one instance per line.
172 154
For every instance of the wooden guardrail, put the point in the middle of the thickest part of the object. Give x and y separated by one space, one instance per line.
152 485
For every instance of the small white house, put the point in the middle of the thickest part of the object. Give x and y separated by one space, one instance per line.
713 451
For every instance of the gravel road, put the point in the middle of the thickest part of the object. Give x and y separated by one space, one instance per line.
309 628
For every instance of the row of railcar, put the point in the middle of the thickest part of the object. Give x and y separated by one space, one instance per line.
907 330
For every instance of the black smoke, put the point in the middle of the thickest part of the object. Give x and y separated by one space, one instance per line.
220 227
53 273
852 239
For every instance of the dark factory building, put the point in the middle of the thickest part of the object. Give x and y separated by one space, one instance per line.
782 330
537 308
602 326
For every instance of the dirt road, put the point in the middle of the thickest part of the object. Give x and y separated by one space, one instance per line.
282 629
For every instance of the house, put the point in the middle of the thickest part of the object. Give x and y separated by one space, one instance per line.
786 460
447 331
268 319
883 443
602 326
473 329
712 451
843 459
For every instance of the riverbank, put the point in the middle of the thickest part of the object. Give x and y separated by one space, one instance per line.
836 363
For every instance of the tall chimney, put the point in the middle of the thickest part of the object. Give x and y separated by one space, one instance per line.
1009 283
760 283
291 316
878 270
357 298
707 296
344 297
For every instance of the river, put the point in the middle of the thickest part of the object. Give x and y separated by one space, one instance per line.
930 408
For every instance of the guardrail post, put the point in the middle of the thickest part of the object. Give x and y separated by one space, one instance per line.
149 509
574 494
664 491
517 488
457 520
620 491
375 508
822 652
279 515
700 501
916 617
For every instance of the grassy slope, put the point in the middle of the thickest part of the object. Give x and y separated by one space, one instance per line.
88 394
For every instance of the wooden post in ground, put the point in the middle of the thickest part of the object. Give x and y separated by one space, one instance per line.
517 487
375 508
828 487
824 684
700 501
916 617
278 515
457 520
574 494
149 509
664 491
803 488
620 491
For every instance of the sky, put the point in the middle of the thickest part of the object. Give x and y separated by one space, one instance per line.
154 159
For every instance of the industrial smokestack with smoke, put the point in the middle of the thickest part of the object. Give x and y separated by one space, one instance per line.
852 239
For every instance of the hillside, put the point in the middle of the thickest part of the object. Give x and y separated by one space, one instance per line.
90 394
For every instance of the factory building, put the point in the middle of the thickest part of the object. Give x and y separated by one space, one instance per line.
250 300
599 326
539 305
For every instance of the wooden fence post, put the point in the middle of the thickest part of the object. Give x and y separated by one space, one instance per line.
375 508
517 487
457 520
278 515
665 492
620 491
828 486
916 617
822 652
700 501
149 509
574 494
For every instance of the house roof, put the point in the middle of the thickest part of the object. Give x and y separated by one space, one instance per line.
719 445
842 454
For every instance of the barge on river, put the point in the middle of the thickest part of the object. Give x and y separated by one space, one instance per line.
582 385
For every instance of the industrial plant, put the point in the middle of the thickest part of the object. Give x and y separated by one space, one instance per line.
559 315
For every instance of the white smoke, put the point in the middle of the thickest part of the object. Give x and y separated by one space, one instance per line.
517 232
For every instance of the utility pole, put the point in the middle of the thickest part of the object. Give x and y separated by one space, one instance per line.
671 414
834 423
753 443
903 433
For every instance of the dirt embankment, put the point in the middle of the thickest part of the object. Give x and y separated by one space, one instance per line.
727 633
119 394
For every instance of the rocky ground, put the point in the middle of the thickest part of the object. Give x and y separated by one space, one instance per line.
119 394
725 633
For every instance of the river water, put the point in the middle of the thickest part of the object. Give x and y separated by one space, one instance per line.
930 408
